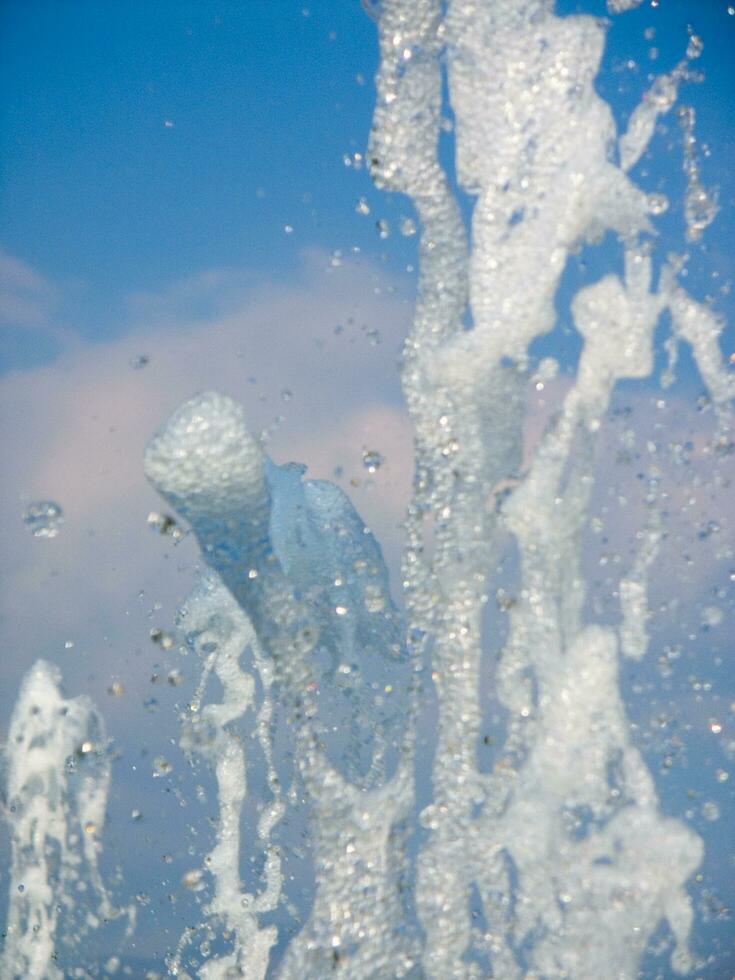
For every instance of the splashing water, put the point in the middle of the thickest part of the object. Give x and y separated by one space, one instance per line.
556 861
56 786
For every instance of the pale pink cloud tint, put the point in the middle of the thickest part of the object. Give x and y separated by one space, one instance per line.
314 364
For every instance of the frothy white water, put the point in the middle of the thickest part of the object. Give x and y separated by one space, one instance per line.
220 632
557 862
263 534
574 865
56 785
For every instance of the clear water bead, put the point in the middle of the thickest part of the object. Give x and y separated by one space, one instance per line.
372 460
43 518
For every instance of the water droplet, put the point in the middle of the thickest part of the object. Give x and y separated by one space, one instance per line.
383 228
695 47
161 767
408 227
116 689
712 616
90 827
372 460
286 395
710 811
162 638
658 203
165 524
139 361
341 610
362 206
722 775
192 879
43 518
715 726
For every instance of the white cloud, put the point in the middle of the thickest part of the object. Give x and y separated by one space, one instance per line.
76 430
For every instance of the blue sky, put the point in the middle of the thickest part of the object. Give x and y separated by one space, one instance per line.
114 114
144 142
151 157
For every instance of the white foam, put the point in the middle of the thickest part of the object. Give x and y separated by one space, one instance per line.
57 781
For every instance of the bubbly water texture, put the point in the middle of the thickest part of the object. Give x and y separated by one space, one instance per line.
557 862
56 784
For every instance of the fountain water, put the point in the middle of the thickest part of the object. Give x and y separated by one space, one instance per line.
557 860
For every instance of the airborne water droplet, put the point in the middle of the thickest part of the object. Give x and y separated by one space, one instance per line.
161 767
43 518
658 203
372 460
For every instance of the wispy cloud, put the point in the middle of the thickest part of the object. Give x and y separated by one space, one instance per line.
314 363
26 297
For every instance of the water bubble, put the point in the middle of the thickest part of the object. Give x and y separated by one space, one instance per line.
139 361
43 518
372 460
116 689
286 395
362 206
408 227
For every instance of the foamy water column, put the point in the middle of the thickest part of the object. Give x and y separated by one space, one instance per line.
220 633
311 581
57 780
562 845
556 862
